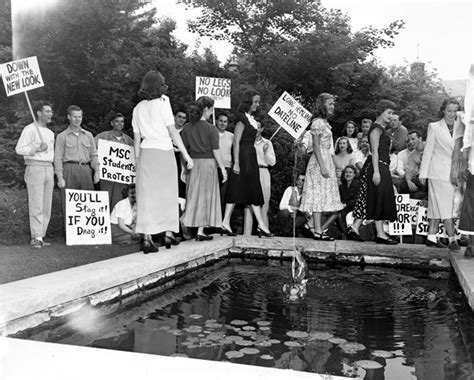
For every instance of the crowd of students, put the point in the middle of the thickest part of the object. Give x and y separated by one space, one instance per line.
191 173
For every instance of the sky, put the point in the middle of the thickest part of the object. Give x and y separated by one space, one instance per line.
439 32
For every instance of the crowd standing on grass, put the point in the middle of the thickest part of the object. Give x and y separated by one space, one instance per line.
190 173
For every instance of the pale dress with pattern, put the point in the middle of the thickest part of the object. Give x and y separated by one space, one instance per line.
321 194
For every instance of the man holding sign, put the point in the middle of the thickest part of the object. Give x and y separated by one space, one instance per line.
115 135
75 157
36 145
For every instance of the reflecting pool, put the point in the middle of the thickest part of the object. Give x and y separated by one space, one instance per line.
369 322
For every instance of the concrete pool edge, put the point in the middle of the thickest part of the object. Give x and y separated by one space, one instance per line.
28 303
464 268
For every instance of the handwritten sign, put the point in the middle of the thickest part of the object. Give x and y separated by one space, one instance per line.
402 226
422 221
117 162
21 75
87 217
216 88
290 115
415 204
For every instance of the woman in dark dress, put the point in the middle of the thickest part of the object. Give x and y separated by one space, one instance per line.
244 183
376 198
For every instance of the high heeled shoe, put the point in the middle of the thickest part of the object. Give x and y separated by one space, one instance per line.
204 237
261 232
170 240
148 246
352 235
224 230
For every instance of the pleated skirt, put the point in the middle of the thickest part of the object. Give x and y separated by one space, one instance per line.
203 199
157 192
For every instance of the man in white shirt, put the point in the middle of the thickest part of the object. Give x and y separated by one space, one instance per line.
289 209
36 145
265 159
226 139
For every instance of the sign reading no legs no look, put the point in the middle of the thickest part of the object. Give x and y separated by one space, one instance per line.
21 75
216 88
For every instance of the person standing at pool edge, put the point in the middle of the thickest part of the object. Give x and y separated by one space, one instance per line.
154 134
38 154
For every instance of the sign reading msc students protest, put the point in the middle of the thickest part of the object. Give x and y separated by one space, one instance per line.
87 217
117 162
290 115
402 226
21 75
216 88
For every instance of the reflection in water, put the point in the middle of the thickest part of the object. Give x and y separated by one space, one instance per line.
377 324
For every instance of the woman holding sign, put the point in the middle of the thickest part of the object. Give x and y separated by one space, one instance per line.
157 175
203 200
244 184
321 192
376 198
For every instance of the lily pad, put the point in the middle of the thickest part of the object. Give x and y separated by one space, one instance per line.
244 342
266 357
382 354
238 322
264 328
213 325
351 347
263 323
320 335
337 341
234 338
264 343
274 341
248 328
368 364
249 351
234 354
195 316
297 334
292 343
193 329
247 333
211 321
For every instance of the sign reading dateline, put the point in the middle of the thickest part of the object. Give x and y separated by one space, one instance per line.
290 115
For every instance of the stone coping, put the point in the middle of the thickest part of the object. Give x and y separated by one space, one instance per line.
26 359
30 302
464 269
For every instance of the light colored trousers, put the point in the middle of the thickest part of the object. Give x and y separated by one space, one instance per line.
39 184
265 182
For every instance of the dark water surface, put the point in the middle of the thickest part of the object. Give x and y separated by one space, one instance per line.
410 324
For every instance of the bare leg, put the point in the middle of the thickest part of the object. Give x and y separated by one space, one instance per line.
200 231
257 210
449 226
356 225
229 209
317 222
329 220
248 221
379 228
433 226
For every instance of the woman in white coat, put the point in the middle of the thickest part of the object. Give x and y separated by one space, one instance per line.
436 167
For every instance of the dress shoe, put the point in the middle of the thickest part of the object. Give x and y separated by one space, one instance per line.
387 241
322 236
352 235
148 247
204 237
261 232
170 240
227 232
454 246
436 244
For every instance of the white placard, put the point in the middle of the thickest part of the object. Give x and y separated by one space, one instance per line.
402 226
87 217
290 115
21 75
422 221
216 88
117 162
415 204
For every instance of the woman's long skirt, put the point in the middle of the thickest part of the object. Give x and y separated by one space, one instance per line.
440 199
157 192
203 199
466 223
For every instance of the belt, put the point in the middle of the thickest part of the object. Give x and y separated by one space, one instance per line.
77 162
263 167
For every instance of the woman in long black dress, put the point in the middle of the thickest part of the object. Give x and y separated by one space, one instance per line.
244 183
376 198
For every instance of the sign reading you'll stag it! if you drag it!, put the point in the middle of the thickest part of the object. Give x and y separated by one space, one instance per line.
290 115
21 75
87 217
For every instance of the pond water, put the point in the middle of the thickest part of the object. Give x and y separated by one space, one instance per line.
369 322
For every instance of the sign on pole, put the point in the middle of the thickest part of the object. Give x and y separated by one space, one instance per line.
87 217
216 88
415 204
117 162
290 115
422 221
402 226
21 75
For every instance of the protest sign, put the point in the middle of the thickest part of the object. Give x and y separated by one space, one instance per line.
290 115
117 162
422 221
87 217
21 75
216 88
414 205
402 226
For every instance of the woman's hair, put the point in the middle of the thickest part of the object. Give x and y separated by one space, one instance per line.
344 130
195 110
153 86
247 100
320 107
445 104
349 147
343 178
385 104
